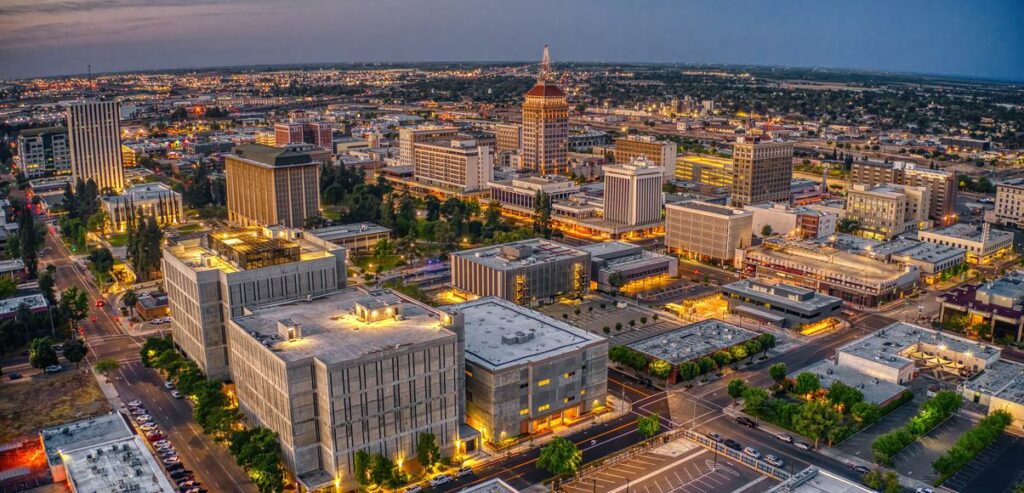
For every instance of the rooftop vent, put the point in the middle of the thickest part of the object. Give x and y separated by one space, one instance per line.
518 337
289 329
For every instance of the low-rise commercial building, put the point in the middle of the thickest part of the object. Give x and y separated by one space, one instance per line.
707 232
935 262
526 372
148 199
997 304
779 304
209 280
527 272
982 243
798 222
1009 206
691 342
347 371
35 302
356 237
886 211
876 391
615 265
999 388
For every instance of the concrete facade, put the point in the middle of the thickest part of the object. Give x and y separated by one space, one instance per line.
762 171
269 186
525 272
705 231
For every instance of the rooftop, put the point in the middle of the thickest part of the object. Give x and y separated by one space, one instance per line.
546 90
495 485
32 301
501 334
1003 296
239 249
696 205
892 345
970 232
1003 379
518 254
141 193
340 232
344 325
31 132
273 156
875 391
784 294
931 252
820 258
693 341
814 480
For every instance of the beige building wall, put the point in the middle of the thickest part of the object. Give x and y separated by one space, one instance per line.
408 137
706 231
762 171
264 195
94 138
546 131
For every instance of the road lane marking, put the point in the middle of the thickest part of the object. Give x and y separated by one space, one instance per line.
663 469
750 484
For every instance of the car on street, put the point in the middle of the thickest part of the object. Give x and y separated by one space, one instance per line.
171 461
774 460
714 436
187 485
196 490
148 428
464 472
168 384
135 404
53 369
161 443
414 489
752 452
143 417
152 437
177 395
733 444
924 490
100 303
440 479
173 468
745 421
860 469
784 437
13 376
181 473
803 446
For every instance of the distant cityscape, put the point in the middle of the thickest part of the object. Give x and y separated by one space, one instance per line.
511 277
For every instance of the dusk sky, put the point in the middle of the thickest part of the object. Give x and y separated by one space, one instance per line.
980 38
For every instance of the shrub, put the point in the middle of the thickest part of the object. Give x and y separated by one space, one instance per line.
971 443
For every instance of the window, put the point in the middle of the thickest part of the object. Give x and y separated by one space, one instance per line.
570 374
469 374
583 392
544 382
569 399
545 407
524 412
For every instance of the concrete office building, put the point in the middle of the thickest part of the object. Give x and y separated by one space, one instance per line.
527 272
546 125
632 192
408 137
983 244
460 164
705 231
347 371
779 304
211 279
153 199
526 372
358 237
898 352
44 151
317 134
709 170
630 264
661 153
272 186
508 137
941 184
1009 207
94 137
762 171
998 304
886 211
798 222
932 260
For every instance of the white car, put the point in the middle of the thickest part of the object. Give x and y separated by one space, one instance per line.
177 395
752 452
440 479
169 385
414 489
774 460
135 404
784 437
924 490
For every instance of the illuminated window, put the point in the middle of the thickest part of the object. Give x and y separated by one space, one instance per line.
583 392
469 374
544 382
545 407
570 374
523 412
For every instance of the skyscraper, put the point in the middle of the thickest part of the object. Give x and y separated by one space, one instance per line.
94 135
632 192
546 125
762 171
272 186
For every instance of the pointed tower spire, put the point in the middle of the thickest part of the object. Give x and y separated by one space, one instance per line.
545 66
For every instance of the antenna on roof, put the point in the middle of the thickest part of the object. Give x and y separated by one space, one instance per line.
545 66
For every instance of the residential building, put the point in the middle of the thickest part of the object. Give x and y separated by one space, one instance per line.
213 278
704 231
941 184
661 153
358 237
44 151
546 125
348 371
94 138
632 192
997 304
1009 207
888 210
527 373
272 185
619 266
799 222
762 171
779 304
983 244
853 278
527 272
460 164
709 170
408 137
148 199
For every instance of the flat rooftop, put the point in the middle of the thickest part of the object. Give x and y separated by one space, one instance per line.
1003 379
32 301
495 485
890 344
341 232
815 480
332 331
819 258
970 232
141 193
530 252
783 294
501 334
200 255
696 205
931 252
875 391
693 341
609 249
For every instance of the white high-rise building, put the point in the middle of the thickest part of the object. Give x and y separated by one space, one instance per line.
94 134
632 192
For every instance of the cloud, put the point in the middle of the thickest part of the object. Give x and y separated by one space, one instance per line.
18 7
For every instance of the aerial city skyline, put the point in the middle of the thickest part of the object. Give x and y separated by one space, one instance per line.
560 274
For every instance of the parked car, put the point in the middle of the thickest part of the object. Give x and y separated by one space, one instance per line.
161 443
464 472
440 479
53 369
181 473
177 395
924 490
803 446
414 489
714 436
135 404
860 469
152 437
774 460
733 444
13 376
752 452
173 468
146 428
171 461
745 421
784 437
168 384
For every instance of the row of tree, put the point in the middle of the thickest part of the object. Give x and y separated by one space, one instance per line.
932 412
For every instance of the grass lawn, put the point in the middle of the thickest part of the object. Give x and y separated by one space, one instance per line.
333 214
188 228
117 240
379 264
68 396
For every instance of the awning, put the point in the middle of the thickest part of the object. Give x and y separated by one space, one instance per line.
761 314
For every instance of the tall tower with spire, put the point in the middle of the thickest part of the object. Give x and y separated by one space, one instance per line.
546 124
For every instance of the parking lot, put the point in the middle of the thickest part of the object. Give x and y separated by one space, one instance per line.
916 460
860 444
994 469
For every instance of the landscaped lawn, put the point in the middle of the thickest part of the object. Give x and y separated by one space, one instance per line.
333 214
380 264
188 228
117 240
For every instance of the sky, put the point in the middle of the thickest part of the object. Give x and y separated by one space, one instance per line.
973 38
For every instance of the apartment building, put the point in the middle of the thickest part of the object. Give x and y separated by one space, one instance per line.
527 272
94 138
1009 207
706 231
44 151
460 164
888 210
762 171
213 278
315 133
408 137
272 185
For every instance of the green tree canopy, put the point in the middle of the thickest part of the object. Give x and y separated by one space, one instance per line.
560 457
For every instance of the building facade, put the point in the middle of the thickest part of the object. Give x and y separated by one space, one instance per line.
797 222
145 200
706 231
272 186
632 192
509 137
460 164
941 184
94 138
886 211
619 266
983 244
359 237
1009 207
762 171
780 304
44 151
660 152
546 125
409 137
527 272
709 170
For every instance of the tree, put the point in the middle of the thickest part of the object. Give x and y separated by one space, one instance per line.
815 420
107 365
433 208
755 400
738 352
735 388
865 412
706 365
688 371
74 304
766 231
848 225
659 369
74 350
843 396
542 214
427 451
41 353
257 451
211 411
152 348
722 358
129 299
777 372
29 238
101 262
752 347
615 280
649 425
8 286
806 383
361 467
47 285
560 457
